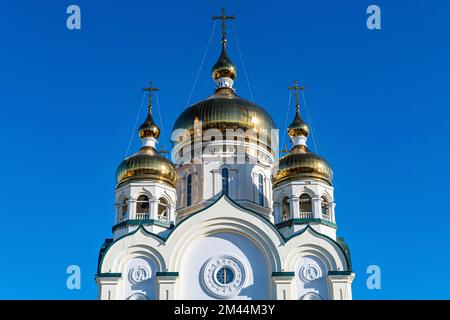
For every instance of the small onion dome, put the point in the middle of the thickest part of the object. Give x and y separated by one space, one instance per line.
300 164
224 68
146 164
298 127
149 129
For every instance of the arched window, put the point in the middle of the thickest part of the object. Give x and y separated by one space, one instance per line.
305 206
225 181
325 208
142 207
285 209
260 190
124 208
162 209
189 190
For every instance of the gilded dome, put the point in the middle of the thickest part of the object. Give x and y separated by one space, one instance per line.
224 68
298 127
146 164
149 129
225 110
299 164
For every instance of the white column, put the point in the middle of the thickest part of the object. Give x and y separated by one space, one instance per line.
277 212
340 285
294 207
171 215
166 286
331 208
283 286
118 213
132 208
317 207
107 289
153 208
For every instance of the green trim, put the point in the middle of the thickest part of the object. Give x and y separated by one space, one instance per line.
109 275
167 274
258 215
346 248
305 221
339 273
283 274
136 222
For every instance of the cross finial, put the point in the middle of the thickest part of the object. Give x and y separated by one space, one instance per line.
296 87
150 90
284 150
163 150
223 17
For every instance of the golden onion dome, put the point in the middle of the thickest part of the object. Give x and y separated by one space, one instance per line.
225 110
224 68
146 164
149 129
300 164
298 127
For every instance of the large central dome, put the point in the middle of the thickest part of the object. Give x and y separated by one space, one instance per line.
225 110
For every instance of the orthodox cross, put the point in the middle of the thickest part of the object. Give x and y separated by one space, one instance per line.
296 87
223 17
284 150
163 151
150 90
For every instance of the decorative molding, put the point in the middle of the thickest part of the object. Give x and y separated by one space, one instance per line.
283 274
290 222
109 275
310 272
214 272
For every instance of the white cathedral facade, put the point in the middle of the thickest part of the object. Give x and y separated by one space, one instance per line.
224 219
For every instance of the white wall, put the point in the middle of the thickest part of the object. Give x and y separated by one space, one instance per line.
256 284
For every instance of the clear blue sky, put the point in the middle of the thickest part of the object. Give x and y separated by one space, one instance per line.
379 101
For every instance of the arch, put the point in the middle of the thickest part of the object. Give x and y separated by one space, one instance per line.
325 207
163 209
230 225
305 205
285 209
123 208
261 189
189 189
225 181
143 204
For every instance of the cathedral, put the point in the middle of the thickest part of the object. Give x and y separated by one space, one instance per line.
224 218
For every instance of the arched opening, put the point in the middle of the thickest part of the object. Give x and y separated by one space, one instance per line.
189 190
225 181
142 207
285 209
163 214
124 209
305 206
325 206
261 190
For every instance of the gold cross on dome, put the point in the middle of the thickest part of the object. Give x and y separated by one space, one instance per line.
284 150
150 90
296 87
163 151
224 17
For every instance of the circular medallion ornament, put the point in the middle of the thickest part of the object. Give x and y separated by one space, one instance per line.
138 274
310 272
223 276
311 296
